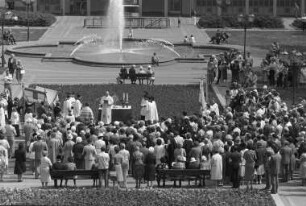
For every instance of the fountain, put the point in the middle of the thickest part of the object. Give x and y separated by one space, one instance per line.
112 49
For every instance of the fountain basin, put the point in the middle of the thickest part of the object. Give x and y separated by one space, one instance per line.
135 51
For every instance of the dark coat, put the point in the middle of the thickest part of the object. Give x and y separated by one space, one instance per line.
20 163
286 153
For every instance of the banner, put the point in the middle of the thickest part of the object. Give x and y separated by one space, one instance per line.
51 95
202 95
33 95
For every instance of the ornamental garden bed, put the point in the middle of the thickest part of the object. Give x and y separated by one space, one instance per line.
161 197
171 99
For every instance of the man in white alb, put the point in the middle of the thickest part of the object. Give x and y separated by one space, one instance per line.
107 102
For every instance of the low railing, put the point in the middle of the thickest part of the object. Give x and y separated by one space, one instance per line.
130 22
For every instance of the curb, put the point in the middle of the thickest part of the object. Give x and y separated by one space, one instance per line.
277 200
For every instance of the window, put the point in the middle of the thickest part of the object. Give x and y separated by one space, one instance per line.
175 5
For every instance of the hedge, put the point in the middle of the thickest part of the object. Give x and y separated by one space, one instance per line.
134 197
298 24
35 19
232 21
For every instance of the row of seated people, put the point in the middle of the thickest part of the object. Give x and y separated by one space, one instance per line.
134 75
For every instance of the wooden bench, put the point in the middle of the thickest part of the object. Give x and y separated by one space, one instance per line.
68 174
181 175
140 77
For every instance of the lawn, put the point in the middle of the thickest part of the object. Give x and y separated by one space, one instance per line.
20 34
129 197
264 39
171 99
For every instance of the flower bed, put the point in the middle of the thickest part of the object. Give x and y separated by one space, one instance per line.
171 99
161 197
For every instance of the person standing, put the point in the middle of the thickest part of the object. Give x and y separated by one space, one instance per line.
20 71
235 68
250 159
86 115
275 164
143 105
3 162
150 162
286 153
10 134
67 148
15 120
138 166
235 158
8 80
77 150
107 102
77 106
89 153
54 146
39 147
178 22
12 64
216 168
118 160
125 163
20 163
102 160
45 169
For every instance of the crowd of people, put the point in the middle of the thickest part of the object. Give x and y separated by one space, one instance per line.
276 68
15 71
241 69
256 136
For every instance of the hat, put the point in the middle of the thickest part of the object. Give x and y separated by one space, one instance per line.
79 139
192 159
116 123
204 158
101 123
151 149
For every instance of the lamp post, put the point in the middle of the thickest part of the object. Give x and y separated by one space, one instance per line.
245 20
28 4
5 16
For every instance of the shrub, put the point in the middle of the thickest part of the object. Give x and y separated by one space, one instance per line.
298 23
35 19
232 21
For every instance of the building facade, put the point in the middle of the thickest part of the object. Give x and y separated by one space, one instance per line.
169 7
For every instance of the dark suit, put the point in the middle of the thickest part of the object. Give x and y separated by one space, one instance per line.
275 163
286 153
235 162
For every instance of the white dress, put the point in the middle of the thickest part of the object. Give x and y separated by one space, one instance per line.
216 167
45 169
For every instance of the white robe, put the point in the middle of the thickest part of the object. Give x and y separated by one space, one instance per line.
107 109
151 113
77 108
143 105
216 167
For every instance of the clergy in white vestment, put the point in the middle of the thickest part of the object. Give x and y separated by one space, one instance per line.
77 106
107 102
151 114
143 105
214 108
68 104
